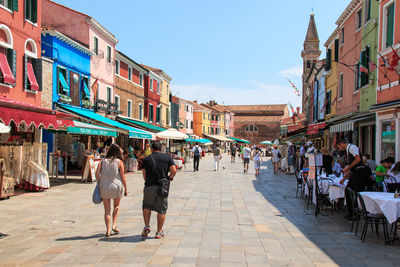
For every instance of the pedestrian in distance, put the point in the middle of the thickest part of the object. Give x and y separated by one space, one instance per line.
217 157
196 153
110 175
233 153
257 158
246 154
276 157
157 167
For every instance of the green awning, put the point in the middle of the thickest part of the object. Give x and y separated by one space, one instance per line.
200 141
144 125
239 140
90 129
90 114
64 83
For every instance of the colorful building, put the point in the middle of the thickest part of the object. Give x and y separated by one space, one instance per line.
186 116
84 29
201 119
152 90
129 87
387 108
174 104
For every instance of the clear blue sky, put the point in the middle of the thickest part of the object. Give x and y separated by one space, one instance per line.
233 51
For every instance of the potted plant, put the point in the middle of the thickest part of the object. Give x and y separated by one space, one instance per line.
85 103
65 99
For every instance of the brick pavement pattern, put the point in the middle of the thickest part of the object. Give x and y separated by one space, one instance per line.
224 218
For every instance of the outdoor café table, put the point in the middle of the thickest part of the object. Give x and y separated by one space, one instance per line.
333 188
382 203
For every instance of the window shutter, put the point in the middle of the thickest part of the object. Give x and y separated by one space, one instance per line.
390 25
336 50
34 11
328 59
37 68
25 71
14 5
12 60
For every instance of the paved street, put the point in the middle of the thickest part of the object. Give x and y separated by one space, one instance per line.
224 218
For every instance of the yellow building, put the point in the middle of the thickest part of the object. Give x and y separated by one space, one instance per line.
331 81
201 120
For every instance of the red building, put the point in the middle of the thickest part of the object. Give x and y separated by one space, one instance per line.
152 87
20 65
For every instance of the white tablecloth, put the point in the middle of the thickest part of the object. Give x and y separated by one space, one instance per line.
333 188
382 202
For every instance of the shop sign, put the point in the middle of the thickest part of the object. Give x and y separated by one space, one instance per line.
314 128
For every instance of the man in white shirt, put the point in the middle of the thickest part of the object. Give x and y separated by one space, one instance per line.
302 156
246 157
196 152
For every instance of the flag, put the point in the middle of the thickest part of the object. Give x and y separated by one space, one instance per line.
326 103
334 100
371 66
94 87
296 91
292 109
363 69
385 63
395 60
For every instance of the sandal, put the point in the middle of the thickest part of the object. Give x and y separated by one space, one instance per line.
115 230
146 231
107 235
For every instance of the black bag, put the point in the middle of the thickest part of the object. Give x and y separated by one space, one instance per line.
163 188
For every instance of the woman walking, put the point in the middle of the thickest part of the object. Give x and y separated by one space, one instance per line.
257 157
276 156
112 185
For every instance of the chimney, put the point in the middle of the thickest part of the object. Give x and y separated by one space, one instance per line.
298 110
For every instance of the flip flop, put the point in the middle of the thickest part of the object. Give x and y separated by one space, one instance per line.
115 230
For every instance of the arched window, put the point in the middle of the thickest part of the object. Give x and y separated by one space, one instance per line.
8 57
6 39
30 48
251 128
32 67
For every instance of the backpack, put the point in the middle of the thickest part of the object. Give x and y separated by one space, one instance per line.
196 153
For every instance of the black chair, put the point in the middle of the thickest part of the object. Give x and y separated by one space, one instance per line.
310 188
391 183
369 218
357 214
323 195
300 184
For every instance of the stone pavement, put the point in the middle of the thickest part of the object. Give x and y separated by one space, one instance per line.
224 218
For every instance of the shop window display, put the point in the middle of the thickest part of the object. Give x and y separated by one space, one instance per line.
388 139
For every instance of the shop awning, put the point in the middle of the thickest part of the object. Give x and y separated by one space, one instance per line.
64 83
31 77
143 124
5 69
133 132
27 114
239 140
90 129
219 138
342 127
200 141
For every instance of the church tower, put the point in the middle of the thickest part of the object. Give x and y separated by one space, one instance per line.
310 55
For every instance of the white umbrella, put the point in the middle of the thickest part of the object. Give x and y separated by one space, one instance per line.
172 133
4 128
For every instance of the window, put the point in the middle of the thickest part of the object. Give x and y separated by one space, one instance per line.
308 64
367 10
10 4
336 50
158 114
108 54
167 114
109 93
340 93
389 25
140 111
151 84
158 87
388 135
31 10
208 130
117 66
328 63
96 46
359 19
85 92
191 124
117 102
151 114
212 130
365 63
328 102
342 36
204 116
204 129
357 78
251 128
8 65
129 109
130 73
141 79
62 84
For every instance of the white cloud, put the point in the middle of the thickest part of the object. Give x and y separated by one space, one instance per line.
293 72
260 93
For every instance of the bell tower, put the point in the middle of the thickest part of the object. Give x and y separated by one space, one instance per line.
310 55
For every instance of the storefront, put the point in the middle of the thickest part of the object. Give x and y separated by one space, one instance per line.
315 133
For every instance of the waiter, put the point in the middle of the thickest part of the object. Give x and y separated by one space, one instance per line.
357 173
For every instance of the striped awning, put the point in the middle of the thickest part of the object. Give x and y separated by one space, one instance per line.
342 127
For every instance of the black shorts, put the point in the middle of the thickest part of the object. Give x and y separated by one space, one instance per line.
246 160
152 201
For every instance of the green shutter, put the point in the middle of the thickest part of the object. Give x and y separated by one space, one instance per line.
390 25
37 68
336 50
26 72
328 59
12 61
14 5
34 10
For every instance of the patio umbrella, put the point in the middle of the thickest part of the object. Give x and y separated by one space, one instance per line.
266 143
172 133
4 128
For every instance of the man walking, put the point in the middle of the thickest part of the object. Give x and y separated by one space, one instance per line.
156 166
233 153
217 157
196 152
246 154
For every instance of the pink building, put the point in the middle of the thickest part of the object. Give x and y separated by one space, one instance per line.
86 30
186 115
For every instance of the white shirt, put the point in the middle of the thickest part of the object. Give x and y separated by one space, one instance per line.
194 149
302 151
246 152
275 153
336 168
353 150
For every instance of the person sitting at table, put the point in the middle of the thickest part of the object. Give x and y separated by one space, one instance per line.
382 170
395 172
369 162
336 168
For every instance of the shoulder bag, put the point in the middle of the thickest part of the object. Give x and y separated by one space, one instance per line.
96 198
163 188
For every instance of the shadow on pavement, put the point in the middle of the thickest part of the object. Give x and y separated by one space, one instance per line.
72 238
125 239
330 234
